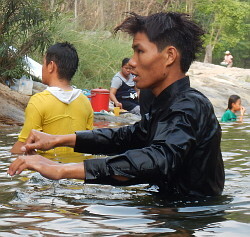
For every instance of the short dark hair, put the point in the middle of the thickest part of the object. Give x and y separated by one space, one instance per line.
232 99
165 29
65 57
125 61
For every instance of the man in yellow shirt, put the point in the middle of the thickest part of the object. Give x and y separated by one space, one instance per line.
59 109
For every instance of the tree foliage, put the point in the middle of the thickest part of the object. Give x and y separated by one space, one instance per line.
24 28
224 21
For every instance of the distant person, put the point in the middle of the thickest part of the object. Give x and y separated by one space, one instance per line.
234 105
228 59
59 109
123 91
176 146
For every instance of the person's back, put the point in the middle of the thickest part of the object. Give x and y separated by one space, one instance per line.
45 112
59 109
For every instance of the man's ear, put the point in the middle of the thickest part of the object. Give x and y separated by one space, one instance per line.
52 67
171 55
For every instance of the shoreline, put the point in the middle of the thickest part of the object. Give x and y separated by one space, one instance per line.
214 81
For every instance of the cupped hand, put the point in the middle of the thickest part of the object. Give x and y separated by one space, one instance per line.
38 140
33 162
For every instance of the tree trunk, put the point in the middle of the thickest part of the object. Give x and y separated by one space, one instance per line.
76 3
209 54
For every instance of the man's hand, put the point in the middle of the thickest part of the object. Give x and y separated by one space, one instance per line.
47 168
44 141
38 140
36 163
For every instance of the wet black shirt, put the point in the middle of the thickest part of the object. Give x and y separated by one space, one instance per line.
175 146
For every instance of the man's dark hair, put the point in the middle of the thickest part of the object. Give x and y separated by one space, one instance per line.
165 29
125 61
65 57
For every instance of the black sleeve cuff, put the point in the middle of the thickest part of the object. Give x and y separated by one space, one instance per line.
95 169
85 142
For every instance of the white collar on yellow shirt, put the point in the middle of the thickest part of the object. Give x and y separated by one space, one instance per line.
65 96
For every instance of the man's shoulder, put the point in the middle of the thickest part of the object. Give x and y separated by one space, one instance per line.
194 95
42 93
83 98
192 101
41 96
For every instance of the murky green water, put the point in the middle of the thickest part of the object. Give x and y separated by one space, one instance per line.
31 205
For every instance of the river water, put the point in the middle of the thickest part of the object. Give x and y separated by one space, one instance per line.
31 205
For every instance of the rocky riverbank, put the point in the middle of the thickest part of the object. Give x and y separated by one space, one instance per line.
215 81
218 83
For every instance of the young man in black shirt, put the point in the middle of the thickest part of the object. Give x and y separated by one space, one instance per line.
175 146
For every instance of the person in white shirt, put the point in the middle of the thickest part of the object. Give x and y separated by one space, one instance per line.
228 59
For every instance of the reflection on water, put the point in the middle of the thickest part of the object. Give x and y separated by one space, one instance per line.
32 205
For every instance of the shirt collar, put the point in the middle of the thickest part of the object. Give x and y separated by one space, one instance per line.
170 92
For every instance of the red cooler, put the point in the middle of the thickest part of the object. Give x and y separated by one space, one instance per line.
100 99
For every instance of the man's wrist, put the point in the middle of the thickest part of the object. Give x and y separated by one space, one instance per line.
68 140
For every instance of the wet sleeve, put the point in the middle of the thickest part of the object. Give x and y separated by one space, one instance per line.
111 141
173 139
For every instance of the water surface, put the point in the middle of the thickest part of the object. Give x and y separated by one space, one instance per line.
31 205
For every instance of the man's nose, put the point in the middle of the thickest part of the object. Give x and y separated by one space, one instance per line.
132 63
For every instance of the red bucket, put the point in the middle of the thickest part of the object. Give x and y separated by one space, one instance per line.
100 99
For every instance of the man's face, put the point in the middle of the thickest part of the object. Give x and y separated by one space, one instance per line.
148 64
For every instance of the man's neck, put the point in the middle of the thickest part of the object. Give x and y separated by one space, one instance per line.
167 82
60 83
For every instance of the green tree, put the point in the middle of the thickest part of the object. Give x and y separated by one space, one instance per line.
24 28
224 21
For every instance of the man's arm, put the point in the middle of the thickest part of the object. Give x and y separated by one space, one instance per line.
44 141
47 168
50 169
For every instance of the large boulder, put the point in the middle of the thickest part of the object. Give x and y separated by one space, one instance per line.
218 83
12 106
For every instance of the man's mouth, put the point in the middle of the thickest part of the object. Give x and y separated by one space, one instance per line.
134 74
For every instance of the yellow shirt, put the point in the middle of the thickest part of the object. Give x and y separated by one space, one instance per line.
48 114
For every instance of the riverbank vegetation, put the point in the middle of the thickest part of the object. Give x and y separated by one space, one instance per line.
31 25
